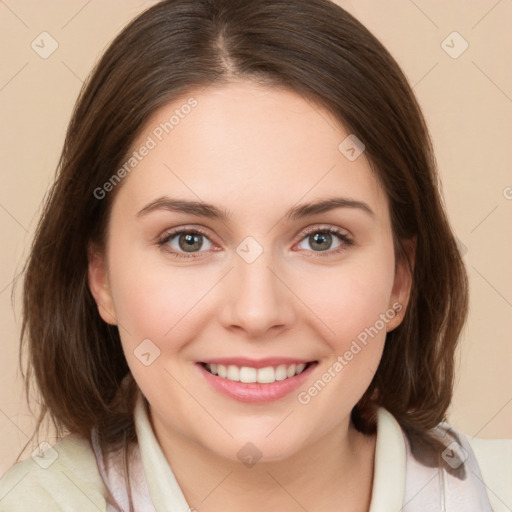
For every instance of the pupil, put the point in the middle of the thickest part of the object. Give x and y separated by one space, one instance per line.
322 237
190 241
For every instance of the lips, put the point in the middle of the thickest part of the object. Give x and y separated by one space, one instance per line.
251 380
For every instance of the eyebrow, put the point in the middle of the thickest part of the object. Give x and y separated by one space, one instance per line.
202 209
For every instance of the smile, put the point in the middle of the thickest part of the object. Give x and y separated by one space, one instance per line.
256 381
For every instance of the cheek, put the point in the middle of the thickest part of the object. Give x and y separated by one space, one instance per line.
350 298
355 309
155 307
153 301
352 310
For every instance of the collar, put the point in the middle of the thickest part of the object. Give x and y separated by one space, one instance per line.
400 482
390 461
387 489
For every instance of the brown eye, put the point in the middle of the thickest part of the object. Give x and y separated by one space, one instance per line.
185 243
321 240
190 242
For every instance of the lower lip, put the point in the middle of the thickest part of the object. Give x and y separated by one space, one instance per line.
254 391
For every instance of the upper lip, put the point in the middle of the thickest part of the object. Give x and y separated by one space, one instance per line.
256 363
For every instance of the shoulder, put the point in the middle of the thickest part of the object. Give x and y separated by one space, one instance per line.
494 458
475 474
491 467
62 478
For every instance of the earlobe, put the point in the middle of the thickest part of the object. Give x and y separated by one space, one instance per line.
402 285
99 285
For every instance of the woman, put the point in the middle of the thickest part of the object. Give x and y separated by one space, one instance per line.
230 302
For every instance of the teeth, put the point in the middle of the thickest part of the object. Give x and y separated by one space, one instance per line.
233 373
246 374
300 368
265 375
281 372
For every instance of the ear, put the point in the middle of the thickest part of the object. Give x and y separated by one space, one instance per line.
100 286
402 285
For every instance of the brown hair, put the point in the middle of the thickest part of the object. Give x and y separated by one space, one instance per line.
314 48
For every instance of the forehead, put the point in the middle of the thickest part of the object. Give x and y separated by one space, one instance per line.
242 143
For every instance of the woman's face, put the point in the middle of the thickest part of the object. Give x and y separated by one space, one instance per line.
255 286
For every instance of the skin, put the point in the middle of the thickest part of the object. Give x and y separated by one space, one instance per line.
254 151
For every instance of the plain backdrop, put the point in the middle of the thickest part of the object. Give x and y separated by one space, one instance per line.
466 96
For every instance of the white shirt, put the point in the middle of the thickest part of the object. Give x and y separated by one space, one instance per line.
72 476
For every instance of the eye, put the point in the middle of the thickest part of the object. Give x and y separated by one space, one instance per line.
184 243
320 240
187 243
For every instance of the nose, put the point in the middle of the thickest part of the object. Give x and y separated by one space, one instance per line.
257 299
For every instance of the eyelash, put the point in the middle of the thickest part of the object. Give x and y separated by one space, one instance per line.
347 241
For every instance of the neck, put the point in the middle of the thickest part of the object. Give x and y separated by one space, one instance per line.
334 473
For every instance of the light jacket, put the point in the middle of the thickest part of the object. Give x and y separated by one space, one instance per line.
73 476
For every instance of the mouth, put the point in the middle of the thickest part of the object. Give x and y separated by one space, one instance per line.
256 381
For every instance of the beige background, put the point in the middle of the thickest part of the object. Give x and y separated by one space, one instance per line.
467 102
